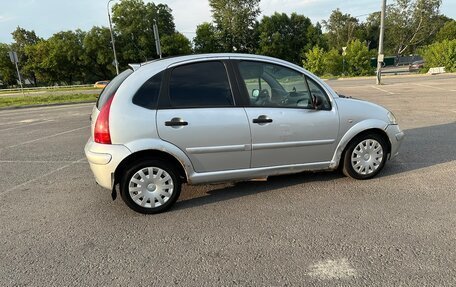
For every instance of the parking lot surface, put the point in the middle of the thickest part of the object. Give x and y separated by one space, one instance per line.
58 228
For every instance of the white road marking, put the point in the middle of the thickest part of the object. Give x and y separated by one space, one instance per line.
20 126
46 137
332 269
385 91
47 109
42 176
37 161
432 87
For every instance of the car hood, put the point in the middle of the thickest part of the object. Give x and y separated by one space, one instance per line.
357 110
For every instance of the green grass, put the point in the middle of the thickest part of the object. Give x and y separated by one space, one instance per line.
48 90
19 101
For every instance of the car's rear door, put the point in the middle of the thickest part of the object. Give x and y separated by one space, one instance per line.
198 114
286 129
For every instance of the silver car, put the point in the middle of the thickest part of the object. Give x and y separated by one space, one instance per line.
228 117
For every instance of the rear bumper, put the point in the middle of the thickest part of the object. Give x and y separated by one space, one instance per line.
104 159
396 136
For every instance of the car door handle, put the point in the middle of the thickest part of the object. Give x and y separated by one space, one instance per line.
262 120
176 122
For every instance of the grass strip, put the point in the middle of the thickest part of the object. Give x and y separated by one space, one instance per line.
48 90
45 99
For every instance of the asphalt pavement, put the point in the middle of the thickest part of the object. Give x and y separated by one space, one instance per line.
58 228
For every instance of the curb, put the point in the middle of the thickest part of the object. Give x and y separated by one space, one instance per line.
386 76
44 105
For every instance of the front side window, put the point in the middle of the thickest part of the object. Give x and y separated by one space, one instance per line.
275 86
317 91
200 85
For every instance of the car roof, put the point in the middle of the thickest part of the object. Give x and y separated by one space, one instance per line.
164 63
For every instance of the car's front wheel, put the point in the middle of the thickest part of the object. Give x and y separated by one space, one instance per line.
365 156
150 186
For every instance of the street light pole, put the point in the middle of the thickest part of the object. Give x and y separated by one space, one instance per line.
112 40
157 39
381 56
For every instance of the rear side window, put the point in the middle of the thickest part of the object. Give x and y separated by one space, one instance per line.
200 85
147 95
111 88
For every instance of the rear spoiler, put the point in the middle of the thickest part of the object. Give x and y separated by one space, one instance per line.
134 66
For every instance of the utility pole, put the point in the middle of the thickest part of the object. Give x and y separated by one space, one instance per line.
157 39
381 56
112 40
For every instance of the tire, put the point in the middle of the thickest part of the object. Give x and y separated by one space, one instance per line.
150 194
365 156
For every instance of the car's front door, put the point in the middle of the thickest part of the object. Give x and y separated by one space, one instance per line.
197 113
287 126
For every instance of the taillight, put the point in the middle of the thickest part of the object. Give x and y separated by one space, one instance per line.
101 131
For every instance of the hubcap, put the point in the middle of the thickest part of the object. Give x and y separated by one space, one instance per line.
150 187
367 156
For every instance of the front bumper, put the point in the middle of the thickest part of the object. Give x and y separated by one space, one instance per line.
396 136
104 159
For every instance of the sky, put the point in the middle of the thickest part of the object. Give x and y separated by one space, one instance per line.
47 17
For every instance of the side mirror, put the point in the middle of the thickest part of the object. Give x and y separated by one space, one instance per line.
255 93
316 102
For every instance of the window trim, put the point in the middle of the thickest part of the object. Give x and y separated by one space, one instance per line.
325 94
159 91
164 100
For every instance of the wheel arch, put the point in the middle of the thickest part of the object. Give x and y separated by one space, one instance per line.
150 154
376 131
372 126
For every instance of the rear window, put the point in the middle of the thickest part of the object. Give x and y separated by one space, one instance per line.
200 85
111 88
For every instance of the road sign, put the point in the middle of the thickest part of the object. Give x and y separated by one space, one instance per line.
13 57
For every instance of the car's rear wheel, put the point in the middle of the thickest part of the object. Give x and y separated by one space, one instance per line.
365 156
150 186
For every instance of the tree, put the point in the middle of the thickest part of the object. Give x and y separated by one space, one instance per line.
97 55
133 20
369 30
23 38
7 69
447 32
315 61
235 20
40 62
58 59
441 54
175 44
358 59
341 29
410 24
333 62
206 39
286 37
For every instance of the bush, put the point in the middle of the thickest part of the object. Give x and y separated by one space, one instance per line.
357 59
440 54
314 61
333 62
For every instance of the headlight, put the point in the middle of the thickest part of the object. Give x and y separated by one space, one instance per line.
392 118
